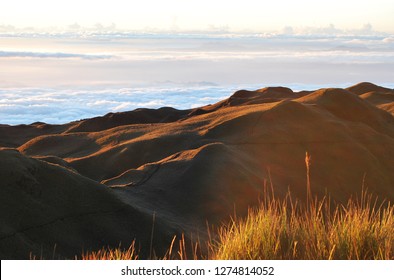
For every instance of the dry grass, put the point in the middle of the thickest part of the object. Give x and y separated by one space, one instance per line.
183 251
282 229
286 229
112 254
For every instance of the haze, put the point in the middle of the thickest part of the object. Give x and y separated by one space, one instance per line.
178 15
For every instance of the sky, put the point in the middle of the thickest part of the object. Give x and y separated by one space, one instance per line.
175 15
65 60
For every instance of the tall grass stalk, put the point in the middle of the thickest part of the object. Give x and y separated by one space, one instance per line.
308 161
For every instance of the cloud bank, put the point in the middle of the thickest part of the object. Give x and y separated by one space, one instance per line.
42 74
16 54
24 106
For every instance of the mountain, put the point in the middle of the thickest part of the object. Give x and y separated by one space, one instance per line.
122 176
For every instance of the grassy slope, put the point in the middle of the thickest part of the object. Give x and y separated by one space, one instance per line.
285 229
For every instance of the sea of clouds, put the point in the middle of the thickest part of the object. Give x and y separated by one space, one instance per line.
61 77
55 106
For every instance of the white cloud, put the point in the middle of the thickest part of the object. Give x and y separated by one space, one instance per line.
61 106
7 28
388 39
17 54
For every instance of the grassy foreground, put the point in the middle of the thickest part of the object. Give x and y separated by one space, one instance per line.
285 229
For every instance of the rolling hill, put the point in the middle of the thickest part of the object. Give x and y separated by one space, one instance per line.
149 174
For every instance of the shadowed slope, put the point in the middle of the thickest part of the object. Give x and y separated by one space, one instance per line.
14 136
50 211
138 116
61 145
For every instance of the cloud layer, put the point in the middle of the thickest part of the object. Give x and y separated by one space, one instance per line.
16 54
24 106
42 74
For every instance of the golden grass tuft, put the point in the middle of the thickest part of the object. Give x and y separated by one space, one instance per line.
179 249
284 229
112 254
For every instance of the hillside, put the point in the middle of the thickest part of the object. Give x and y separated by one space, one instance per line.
106 180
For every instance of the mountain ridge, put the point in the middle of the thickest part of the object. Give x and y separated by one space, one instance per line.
186 168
